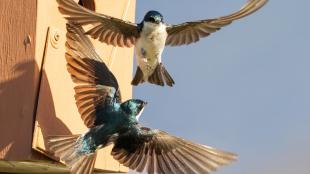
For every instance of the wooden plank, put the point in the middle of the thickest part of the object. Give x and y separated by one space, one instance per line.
32 167
57 113
18 77
23 37
38 166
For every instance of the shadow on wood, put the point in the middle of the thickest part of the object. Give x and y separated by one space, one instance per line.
16 141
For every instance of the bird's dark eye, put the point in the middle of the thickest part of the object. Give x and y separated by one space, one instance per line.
151 19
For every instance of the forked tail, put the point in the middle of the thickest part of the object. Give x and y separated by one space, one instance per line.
159 77
138 77
67 149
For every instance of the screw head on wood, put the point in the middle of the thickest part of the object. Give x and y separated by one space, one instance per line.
27 40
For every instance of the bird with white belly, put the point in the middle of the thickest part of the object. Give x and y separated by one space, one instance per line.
151 35
149 48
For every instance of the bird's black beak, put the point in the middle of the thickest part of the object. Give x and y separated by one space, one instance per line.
144 103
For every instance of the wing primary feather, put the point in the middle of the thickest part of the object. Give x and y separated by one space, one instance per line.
140 156
199 163
203 160
100 22
143 161
178 34
186 162
151 161
177 163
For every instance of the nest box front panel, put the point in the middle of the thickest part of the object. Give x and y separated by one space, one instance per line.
57 113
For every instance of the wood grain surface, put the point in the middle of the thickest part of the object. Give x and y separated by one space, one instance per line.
18 77
23 36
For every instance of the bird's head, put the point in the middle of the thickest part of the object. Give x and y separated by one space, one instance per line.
153 17
133 107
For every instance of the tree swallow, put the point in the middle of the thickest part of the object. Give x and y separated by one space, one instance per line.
151 35
110 121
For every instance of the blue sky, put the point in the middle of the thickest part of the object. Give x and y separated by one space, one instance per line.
245 89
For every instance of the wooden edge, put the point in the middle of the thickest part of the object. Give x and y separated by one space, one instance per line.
32 167
39 166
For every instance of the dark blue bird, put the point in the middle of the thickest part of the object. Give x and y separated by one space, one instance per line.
110 121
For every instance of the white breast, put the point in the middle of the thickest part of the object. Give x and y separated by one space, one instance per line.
150 46
152 39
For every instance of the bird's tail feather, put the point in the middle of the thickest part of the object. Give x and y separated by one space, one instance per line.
66 148
161 76
138 77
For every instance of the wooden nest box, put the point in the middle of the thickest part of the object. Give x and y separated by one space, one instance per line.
36 91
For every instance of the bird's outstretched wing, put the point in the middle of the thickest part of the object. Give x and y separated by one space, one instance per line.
107 29
97 86
157 151
190 32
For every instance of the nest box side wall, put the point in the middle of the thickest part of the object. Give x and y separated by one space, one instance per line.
19 77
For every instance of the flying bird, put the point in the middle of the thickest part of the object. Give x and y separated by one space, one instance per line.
151 35
109 121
